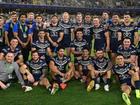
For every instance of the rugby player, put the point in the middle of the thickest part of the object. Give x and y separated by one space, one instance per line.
62 68
128 76
42 46
54 33
102 66
128 29
100 35
128 51
9 26
77 46
114 27
86 69
66 25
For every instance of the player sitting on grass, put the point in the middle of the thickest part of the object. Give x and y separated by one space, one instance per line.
102 66
35 71
86 69
7 67
77 46
128 78
61 68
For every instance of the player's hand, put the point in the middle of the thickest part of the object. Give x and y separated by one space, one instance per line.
67 75
55 44
102 72
96 72
62 74
107 49
23 45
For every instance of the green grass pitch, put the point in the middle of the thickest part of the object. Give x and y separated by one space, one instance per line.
74 94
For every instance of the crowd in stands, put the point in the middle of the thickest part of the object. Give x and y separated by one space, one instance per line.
81 3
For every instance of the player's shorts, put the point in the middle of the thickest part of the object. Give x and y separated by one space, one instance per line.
126 81
114 46
99 47
66 42
85 72
37 76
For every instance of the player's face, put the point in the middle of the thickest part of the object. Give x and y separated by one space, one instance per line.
14 17
105 15
23 18
54 20
41 34
79 34
61 53
87 18
120 60
31 17
115 18
14 43
9 57
126 43
65 16
39 19
85 53
79 18
96 22
35 56
99 54
127 18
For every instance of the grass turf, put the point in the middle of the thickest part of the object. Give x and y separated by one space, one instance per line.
74 94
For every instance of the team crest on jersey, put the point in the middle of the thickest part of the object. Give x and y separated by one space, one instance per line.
36 66
98 30
123 70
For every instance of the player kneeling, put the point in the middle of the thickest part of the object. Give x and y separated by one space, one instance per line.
128 77
35 71
61 68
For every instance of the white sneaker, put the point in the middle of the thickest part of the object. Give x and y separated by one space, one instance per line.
82 81
8 85
97 86
106 88
28 88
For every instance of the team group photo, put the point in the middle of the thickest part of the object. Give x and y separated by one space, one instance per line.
72 56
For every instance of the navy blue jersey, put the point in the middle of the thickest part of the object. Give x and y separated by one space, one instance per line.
36 30
113 30
122 72
99 36
84 63
66 28
78 45
126 52
16 51
41 47
128 31
54 32
37 68
101 64
106 22
61 64
87 29
77 25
